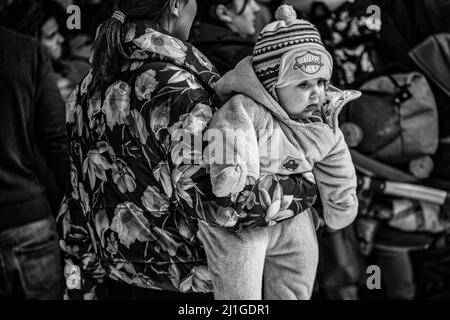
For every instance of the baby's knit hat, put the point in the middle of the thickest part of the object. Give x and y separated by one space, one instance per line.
294 39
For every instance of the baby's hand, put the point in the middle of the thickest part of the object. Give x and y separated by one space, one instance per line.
229 179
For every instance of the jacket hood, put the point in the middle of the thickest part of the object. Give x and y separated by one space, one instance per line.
145 41
243 80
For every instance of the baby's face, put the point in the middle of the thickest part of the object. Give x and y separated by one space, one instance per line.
301 99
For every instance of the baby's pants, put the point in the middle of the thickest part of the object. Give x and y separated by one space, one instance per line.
281 260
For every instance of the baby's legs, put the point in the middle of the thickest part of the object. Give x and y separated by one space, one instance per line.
291 260
235 261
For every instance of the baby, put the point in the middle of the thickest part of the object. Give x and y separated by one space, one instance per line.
279 117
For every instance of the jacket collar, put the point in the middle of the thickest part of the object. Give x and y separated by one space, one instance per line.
145 41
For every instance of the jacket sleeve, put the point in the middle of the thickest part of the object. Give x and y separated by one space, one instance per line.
336 181
50 116
233 154
79 249
82 268
187 182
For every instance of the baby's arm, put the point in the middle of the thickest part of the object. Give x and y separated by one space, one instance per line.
232 153
336 181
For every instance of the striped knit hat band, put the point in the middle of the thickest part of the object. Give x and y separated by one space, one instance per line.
280 37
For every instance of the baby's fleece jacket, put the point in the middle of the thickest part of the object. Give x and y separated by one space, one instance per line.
259 138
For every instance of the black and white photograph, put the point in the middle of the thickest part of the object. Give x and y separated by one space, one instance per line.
242 151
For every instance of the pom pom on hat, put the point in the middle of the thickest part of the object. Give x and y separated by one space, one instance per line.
286 12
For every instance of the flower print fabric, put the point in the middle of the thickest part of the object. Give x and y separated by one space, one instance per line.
137 186
350 36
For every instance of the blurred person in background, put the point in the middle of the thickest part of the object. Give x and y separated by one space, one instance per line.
45 20
32 119
225 31
42 20
265 15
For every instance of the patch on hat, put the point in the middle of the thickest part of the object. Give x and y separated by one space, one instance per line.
309 63
290 164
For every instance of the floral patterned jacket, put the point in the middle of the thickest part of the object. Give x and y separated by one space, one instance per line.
135 194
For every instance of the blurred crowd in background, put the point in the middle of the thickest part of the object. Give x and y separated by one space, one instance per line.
408 43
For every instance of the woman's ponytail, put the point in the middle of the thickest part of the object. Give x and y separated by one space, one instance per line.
108 51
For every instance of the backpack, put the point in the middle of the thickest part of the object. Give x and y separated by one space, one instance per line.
395 120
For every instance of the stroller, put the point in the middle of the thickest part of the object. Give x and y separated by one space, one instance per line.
405 224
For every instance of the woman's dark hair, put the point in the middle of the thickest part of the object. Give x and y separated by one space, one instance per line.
28 16
108 49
